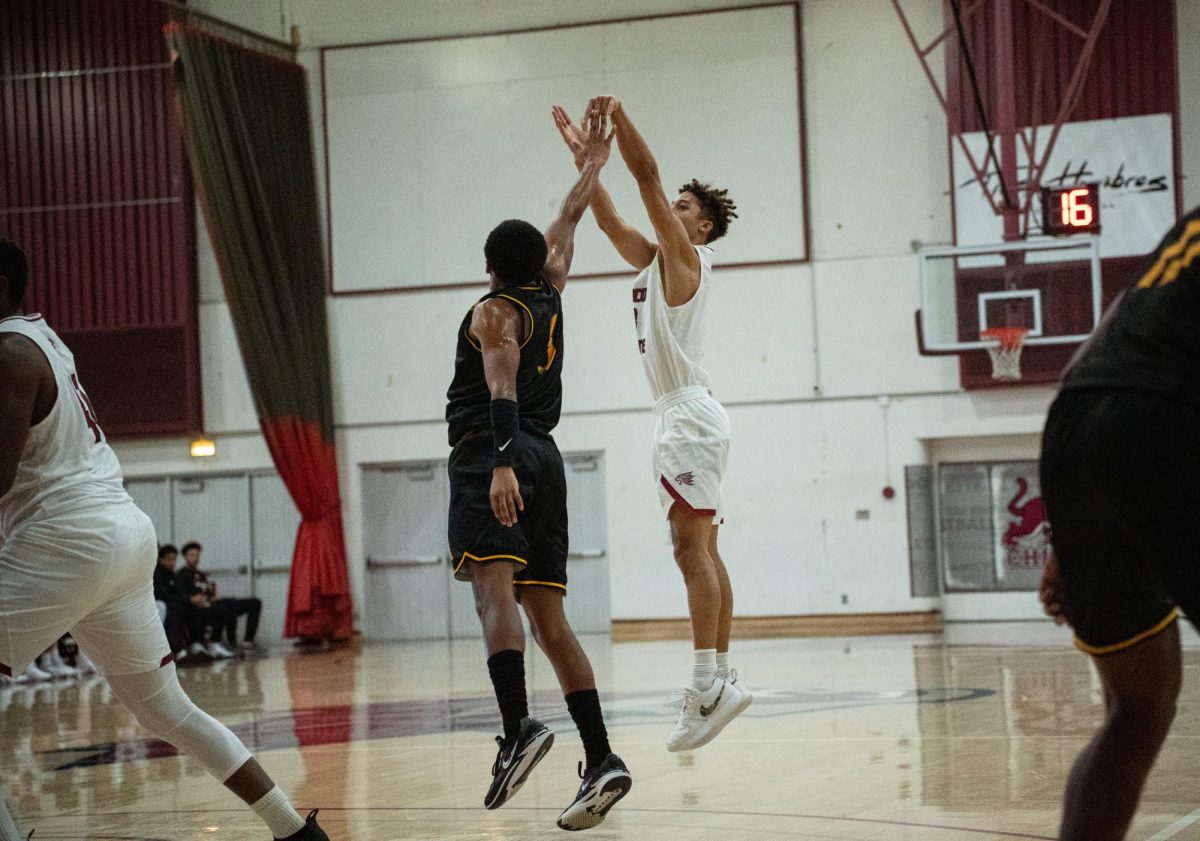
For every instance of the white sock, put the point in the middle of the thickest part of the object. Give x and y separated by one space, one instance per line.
704 668
722 664
8 829
274 809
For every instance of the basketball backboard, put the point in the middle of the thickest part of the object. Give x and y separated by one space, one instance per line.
1050 287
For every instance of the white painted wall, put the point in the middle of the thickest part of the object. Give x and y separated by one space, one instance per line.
801 354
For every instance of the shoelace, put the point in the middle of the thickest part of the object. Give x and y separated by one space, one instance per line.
499 753
691 698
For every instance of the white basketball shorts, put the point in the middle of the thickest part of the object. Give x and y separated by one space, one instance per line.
90 573
691 451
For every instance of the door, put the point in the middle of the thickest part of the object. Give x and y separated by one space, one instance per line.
404 528
587 604
274 523
214 511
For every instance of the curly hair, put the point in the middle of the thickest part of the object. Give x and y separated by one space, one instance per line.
515 252
715 206
14 267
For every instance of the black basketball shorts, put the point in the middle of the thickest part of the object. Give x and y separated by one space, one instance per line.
537 544
1120 477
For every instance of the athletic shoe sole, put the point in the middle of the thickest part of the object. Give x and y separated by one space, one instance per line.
538 747
612 790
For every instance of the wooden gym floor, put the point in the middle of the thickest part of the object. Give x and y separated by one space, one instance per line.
965 736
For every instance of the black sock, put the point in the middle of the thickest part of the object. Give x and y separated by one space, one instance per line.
507 669
585 710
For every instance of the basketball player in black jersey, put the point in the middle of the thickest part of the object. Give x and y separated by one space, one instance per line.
1120 474
508 494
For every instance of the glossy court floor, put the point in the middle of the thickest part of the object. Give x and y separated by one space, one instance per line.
965 736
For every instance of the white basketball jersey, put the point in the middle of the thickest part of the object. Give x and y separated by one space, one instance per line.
671 339
67 463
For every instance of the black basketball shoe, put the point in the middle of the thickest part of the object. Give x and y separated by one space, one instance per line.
515 759
311 832
600 790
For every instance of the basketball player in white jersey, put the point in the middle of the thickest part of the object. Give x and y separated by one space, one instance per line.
78 555
691 443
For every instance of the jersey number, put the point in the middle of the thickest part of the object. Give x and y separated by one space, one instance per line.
89 412
551 351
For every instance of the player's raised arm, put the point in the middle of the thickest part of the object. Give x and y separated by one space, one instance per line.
498 327
634 248
560 236
681 276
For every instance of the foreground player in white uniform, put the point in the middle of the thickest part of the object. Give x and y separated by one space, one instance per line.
78 555
691 441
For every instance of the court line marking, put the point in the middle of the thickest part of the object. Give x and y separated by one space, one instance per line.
716 812
1176 828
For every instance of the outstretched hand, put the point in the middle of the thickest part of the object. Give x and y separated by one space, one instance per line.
599 142
592 143
572 135
601 107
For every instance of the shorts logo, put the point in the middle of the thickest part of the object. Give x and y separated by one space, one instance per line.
688 478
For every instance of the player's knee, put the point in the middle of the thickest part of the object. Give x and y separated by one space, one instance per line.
1147 712
490 584
163 710
550 634
693 560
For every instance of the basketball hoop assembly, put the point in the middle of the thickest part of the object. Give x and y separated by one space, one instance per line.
1004 346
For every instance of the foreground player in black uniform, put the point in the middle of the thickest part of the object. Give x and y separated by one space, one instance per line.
1120 476
508 494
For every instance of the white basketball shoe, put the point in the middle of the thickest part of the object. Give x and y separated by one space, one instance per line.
702 715
731 676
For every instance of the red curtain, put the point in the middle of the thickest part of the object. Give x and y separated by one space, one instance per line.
249 141
319 592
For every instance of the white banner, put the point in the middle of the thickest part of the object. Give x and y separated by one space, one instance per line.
1130 157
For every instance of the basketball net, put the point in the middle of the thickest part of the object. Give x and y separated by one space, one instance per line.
1005 351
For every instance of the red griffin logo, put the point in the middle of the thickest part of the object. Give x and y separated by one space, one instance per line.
688 478
1027 539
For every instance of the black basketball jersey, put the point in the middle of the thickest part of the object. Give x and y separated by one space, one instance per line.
539 376
1152 342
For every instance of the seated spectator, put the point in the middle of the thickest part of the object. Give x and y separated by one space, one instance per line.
205 620
195 582
173 604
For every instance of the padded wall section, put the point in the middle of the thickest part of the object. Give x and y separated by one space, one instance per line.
93 185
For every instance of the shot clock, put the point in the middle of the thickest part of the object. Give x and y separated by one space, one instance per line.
1071 210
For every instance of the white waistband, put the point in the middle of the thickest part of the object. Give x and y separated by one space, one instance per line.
680 395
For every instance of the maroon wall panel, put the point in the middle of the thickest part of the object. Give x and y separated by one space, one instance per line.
94 186
1132 72
1132 69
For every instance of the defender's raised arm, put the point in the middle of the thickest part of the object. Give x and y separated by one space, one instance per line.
560 236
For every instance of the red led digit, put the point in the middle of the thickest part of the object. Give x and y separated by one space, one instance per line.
1081 211
1070 210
